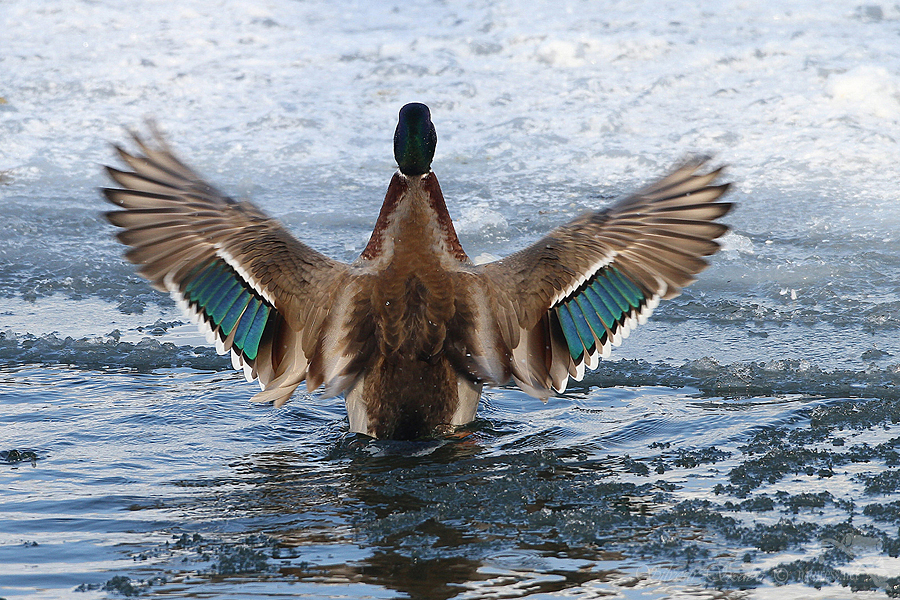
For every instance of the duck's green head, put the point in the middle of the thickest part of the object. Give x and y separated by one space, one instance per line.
414 140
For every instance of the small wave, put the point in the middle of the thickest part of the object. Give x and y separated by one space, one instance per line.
787 376
773 304
106 351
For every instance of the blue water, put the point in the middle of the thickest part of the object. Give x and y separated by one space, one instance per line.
744 442
172 480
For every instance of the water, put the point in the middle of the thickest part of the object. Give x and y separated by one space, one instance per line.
742 444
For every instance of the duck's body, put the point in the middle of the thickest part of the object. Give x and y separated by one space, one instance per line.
411 330
406 297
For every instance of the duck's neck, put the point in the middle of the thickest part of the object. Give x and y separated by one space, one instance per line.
414 215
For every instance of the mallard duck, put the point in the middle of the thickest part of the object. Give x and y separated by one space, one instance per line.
411 330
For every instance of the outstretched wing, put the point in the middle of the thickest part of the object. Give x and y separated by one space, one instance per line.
558 305
254 289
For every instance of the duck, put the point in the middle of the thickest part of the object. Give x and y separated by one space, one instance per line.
412 330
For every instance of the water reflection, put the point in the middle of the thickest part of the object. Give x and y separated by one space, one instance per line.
434 519
655 495
436 579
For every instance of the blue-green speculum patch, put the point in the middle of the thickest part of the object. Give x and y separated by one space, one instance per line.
414 140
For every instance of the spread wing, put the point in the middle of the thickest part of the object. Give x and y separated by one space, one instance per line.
557 306
254 289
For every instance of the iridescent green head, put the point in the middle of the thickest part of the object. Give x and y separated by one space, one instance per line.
414 140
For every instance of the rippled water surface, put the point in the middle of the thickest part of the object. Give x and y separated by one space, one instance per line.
744 443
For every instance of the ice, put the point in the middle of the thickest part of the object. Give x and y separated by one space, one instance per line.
867 90
542 111
735 244
478 218
727 78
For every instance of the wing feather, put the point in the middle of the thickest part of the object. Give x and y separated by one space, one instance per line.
259 293
561 303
